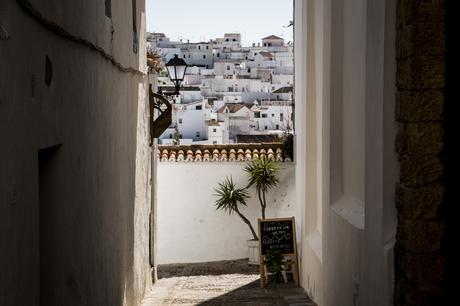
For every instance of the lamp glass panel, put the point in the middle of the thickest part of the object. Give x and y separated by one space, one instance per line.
172 72
180 72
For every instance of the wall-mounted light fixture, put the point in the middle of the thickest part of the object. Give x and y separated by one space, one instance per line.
176 68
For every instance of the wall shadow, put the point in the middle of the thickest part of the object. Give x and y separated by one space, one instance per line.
239 266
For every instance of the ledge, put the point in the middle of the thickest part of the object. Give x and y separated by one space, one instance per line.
241 152
351 210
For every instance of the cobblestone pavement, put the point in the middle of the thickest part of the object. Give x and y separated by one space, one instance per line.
220 283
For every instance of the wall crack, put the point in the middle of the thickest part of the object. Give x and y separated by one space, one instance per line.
58 30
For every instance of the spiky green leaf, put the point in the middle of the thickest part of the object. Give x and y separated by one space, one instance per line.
262 174
229 196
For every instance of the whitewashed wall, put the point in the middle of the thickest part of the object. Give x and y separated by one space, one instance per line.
189 227
346 164
90 229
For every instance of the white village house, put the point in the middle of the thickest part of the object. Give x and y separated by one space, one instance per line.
229 90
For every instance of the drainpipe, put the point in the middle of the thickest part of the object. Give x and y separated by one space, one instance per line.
153 212
153 195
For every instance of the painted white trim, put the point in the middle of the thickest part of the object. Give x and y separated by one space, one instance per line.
315 241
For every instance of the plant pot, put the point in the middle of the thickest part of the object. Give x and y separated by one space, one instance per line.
253 252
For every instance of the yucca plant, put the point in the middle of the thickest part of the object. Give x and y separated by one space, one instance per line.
263 175
229 199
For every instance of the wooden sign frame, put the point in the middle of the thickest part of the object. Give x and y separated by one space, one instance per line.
262 257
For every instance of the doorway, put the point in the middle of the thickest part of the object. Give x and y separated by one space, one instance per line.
47 178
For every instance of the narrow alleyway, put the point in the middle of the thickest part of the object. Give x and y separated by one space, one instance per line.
220 283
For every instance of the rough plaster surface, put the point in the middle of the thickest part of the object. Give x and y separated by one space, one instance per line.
93 195
189 227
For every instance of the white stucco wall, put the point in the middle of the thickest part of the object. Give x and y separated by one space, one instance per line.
193 121
218 134
283 79
189 227
168 53
346 165
89 203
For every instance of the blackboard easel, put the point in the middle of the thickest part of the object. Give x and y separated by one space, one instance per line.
280 234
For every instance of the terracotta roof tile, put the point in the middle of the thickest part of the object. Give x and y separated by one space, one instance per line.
272 37
286 89
212 122
232 107
221 153
266 54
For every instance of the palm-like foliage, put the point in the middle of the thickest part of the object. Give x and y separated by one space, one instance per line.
263 175
229 199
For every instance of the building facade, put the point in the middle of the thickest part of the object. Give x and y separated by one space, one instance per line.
224 72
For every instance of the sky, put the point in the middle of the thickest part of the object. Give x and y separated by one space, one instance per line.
202 20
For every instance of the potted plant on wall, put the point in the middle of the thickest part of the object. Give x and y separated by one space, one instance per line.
229 197
263 175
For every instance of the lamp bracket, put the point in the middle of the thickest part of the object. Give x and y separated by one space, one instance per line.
160 114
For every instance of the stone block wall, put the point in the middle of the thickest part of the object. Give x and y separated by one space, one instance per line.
420 80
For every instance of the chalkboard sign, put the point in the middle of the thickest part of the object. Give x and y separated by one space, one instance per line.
277 234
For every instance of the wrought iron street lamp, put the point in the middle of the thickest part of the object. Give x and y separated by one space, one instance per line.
176 69
159 101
